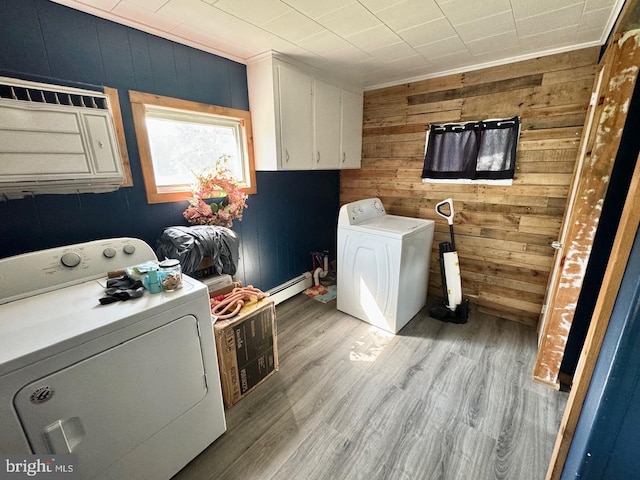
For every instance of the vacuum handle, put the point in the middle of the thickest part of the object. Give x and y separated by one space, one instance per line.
439 211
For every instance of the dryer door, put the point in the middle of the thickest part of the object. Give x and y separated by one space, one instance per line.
368 272
103 407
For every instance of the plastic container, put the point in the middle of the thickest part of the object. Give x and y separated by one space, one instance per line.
152 282
170 275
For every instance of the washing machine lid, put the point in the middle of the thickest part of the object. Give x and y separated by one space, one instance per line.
393 226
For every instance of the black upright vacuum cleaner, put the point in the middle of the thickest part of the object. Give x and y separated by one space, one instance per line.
454 308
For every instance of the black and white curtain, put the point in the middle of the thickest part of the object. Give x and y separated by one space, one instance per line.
483 150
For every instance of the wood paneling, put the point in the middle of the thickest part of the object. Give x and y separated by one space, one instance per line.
503 232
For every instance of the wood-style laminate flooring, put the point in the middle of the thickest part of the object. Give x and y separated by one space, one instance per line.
437 401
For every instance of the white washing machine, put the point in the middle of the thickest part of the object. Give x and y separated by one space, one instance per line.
132 388
383 264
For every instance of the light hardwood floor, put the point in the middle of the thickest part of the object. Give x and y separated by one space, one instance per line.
437 401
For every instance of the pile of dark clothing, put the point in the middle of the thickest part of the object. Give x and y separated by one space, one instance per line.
121 289
190 245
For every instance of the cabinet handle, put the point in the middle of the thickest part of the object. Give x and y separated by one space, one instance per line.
344 157
318 159
286 155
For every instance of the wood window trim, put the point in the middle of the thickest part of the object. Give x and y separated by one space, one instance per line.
139 100
116 112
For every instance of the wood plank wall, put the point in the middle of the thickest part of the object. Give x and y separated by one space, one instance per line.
503 233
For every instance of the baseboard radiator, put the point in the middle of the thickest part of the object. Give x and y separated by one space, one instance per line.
290 288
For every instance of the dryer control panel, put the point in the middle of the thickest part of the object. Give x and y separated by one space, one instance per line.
46 270
360 211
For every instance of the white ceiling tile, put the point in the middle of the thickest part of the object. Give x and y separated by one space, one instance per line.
410 63
350 19
151 5
350 55
373 38
553 20
426 69
314 8
231 30
127 9
384 76
587 36
351 72
101 4
442 48
461 11
377 5
598 4
428 32
449 62
508 52
323 43
369 65
595 19
258 13
392 52
409 13
340 36
283 46
495 43
293 26
529 8
207 39
486 27
548 40
196 14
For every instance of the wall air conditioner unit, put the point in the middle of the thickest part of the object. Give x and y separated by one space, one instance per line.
56 139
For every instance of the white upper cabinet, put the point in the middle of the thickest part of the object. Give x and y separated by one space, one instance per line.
296 119
301 122
326 115
351 130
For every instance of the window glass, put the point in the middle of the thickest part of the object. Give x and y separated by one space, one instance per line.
178 139
482 151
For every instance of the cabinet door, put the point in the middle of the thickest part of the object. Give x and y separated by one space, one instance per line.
326 110
351 141
296 119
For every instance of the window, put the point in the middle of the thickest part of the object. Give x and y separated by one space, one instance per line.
177 138
480 152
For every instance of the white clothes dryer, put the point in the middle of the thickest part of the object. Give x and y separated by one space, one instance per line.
131 388
383 264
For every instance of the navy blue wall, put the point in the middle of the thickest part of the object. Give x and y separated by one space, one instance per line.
292 214
607 437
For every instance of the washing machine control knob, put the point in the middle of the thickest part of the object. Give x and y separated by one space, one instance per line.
70 259
109 252
129 249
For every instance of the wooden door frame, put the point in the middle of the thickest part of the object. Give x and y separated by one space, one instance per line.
619 78
564 229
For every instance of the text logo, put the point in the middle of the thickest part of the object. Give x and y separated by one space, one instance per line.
51 467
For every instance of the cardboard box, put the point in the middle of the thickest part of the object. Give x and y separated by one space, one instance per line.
247 349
